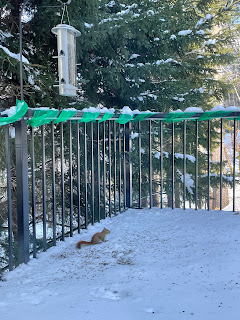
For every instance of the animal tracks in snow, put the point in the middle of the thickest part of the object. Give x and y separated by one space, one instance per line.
107 293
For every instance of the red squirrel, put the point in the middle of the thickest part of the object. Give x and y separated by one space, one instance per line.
95 238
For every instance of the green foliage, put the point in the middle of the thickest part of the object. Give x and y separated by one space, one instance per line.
157 55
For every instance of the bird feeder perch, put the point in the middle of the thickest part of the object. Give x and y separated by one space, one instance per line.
66 43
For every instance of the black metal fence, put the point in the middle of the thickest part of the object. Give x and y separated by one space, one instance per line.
57 179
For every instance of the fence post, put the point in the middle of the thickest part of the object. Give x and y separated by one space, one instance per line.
22 190
128 163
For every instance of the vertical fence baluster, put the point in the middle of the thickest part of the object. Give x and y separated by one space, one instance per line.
53 183
98 174
173 167
104 169
78 178
70 177
119 168
9 197
115 167
124 166
44 190
92 175
22 190
140 167
85 175
128 149
208 183
161 161
33 194
196 165
234 163
62 180
184 164
150 162
221 161
110 168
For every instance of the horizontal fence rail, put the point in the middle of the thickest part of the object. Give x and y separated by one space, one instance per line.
58 177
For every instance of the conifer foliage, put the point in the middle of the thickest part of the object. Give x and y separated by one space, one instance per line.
149 54
160 55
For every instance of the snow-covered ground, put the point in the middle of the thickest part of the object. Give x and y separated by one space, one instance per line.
157 264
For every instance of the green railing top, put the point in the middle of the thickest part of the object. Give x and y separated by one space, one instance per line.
65 115
39 116
178 116
42 116
14 113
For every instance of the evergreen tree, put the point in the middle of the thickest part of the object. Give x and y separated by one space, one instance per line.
158 55
39 47
161 55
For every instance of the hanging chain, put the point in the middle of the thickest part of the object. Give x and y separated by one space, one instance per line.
65 9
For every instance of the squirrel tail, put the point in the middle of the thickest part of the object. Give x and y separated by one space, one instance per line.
79 243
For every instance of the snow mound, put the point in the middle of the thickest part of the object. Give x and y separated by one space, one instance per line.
166 264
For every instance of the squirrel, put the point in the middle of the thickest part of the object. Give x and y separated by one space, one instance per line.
95 238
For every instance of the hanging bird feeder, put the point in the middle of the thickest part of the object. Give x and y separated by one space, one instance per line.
67 71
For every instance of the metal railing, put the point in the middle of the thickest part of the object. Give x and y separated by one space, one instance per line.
74 174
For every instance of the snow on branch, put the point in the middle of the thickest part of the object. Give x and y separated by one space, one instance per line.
14 55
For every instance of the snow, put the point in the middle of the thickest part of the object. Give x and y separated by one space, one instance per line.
203 20
5 35
157 62
123 12
134 135
98 109
169 60
131 65
233 109
199 23
151 12
193 109
178 99
188 181
110 4
9 112
218 108
42 108
88 25
176 111
188 156
176 155
134 56
163 264
173 37
147 93
127 110
14 55
184 32
208 16
202 32
210 41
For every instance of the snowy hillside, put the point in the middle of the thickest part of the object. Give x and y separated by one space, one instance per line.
157 264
